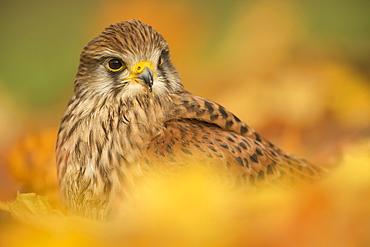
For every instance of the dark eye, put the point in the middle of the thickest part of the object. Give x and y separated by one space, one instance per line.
160 61
115 64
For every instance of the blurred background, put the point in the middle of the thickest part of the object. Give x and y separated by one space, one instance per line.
298 72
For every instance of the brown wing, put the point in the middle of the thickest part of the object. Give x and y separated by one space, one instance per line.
199 129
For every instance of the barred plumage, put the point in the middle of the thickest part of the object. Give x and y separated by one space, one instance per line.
123 118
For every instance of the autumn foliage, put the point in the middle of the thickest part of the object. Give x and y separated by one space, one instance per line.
295 71
193 209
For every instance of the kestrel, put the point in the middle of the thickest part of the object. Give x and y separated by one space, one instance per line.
130 109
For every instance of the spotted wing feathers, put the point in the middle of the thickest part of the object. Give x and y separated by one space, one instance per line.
201 129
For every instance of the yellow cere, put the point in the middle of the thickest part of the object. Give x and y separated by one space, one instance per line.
138 68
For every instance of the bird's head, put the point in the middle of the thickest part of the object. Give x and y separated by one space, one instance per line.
128 59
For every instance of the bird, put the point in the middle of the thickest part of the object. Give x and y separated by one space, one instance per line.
130 110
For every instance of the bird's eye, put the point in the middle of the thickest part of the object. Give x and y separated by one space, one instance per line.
115 64
160 61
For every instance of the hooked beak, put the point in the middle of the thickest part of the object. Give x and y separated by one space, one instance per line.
146 76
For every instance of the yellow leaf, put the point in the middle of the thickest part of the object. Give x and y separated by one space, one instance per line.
30 204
